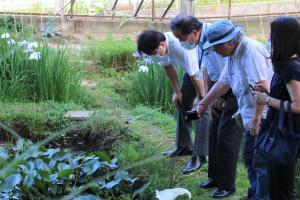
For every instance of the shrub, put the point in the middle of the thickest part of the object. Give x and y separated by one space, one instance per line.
37 73
112 54
152 88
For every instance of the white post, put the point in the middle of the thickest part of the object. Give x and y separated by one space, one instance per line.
187 7
61 12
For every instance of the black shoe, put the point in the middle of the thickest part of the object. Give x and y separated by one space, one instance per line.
183 151
210 183
218 193
193 164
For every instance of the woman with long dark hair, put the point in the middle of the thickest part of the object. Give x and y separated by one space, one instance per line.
285 86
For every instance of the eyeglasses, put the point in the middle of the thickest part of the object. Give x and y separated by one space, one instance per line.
213 48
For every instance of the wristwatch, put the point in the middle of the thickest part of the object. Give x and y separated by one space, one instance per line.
200 97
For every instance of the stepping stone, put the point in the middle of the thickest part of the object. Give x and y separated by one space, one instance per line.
91 85
79 115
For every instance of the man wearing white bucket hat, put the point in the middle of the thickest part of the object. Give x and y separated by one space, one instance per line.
247 65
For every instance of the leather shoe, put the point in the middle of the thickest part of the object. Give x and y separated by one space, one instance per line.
218 193
182 151
194 163
210 183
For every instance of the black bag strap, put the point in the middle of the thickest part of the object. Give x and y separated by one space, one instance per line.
290 118
281 116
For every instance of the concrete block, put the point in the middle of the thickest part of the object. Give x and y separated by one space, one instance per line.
79 115
91 85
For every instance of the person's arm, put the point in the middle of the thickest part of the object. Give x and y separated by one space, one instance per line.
199 85
215 92
259 108
294 91
172 75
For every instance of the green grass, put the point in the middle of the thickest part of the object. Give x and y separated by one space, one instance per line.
38 117
111 55
51 77
152 88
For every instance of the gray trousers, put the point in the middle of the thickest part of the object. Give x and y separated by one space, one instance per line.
184 129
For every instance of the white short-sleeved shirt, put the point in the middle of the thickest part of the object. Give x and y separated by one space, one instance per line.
212 61
179 56
248 65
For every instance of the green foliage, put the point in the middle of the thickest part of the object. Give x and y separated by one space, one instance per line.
47 173
111 55
37 117
8 23
152 88
48 77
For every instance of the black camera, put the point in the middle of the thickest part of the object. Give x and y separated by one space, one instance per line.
191 115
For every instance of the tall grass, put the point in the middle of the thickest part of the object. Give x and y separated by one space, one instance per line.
109 53
49 78
152 88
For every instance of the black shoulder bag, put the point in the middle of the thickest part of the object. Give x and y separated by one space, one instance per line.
281 144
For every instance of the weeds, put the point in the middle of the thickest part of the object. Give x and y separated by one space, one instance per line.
30 75
111 55
152 88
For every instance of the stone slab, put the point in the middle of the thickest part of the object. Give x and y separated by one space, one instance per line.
79 115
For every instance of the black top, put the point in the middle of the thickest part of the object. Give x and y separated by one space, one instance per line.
278 89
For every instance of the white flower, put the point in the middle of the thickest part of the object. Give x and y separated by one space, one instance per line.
23 43
143 68
172 194
11 42
28 50
35 56
147 61
5 36
32 45
136 54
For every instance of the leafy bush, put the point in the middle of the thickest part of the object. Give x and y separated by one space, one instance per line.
8 23
152 88
48 173
46 74
111 54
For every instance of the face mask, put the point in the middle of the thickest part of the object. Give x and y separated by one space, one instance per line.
161 60
187 45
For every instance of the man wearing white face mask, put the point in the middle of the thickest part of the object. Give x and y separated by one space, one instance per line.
166 51
225 136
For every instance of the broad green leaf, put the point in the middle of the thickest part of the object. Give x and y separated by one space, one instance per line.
91 166
122 175
87 197
112 184
140 190
19 145
102 156
51 152
40 165
10 182
45 174
3 154
53 177
60 156
63 166
28 181
65 173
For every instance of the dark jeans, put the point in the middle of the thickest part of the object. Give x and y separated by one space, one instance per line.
248 160
224 143
184 129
